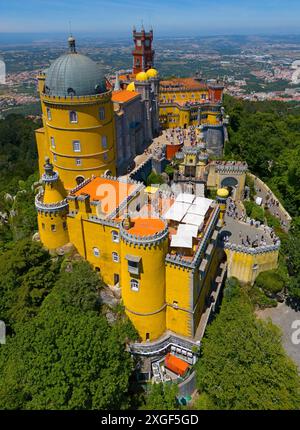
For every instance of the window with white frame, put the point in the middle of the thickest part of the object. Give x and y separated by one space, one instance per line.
115 257
78 162
73 117
134 285
102 113
96 252
76 146
54 158
115 236
52 142
104 142
49 116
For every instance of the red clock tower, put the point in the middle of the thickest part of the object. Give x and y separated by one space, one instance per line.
143 54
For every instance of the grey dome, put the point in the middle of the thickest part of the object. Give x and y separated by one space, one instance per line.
74 74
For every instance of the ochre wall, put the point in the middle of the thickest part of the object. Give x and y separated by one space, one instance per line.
240 265
89 130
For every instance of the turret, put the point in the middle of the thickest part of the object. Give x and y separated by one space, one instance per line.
222 195
52 208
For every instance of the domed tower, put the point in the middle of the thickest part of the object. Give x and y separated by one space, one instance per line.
144 245
222 196
78 123
52 208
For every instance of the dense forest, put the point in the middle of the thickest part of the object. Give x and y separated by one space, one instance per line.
267 136
61 350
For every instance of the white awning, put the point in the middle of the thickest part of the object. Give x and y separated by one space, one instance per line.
182 241
177 211
193 219
185 197
200 206
185 229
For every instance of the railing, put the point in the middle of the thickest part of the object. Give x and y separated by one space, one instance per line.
158 346
87 98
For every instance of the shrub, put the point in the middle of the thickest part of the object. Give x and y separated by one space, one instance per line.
270 282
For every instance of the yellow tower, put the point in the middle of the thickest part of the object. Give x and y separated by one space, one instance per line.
78 133
52 209
222 195
144 245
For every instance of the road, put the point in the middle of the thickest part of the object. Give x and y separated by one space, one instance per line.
284 316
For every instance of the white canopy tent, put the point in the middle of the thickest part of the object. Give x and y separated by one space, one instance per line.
177 211
182 241
187 229
185 198
193 219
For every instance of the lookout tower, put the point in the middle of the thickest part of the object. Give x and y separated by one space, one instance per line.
143 54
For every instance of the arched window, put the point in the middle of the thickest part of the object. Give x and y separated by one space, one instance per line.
71 92
115 257
115 236
73 117
79 179
134 285
49 116
76 146
96 252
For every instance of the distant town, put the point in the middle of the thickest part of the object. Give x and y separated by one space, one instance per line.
253 68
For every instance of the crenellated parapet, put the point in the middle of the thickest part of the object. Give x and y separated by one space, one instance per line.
233 167
145 240
252 250
75 100
49 207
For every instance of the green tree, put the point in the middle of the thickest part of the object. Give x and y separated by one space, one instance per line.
162 397
68 356
243 364
270 282
27 275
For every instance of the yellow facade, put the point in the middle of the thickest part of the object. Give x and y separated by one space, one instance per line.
174 115
78 135
146 307
52 210
53 229
246 267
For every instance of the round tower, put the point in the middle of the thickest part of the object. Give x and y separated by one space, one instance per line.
78 122
144 245
52 209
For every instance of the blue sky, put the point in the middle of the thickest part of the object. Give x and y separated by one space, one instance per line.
203 17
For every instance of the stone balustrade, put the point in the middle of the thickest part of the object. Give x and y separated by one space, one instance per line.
49 207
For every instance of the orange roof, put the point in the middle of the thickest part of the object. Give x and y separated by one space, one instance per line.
123 96
146 226
110 192
176 364
181 83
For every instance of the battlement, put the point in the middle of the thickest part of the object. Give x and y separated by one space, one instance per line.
49 207
137 233
74 100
